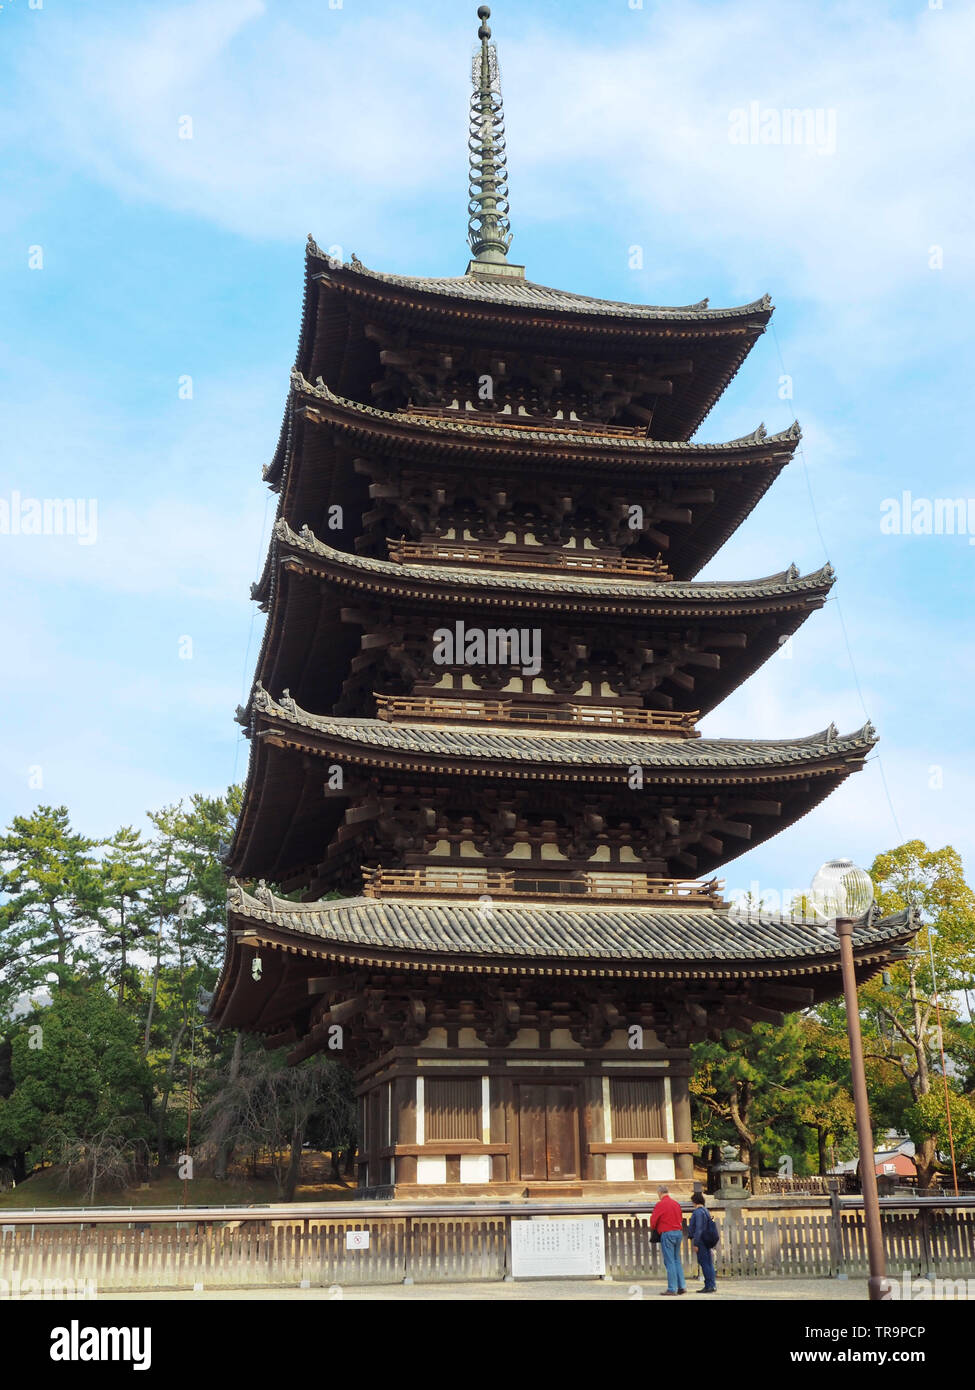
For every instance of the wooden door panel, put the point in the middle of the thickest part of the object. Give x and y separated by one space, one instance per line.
531 1132
548 1132
562 1132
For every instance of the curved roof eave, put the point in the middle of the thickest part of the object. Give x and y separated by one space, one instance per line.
658 594
517 294
573 938
441 428
567 752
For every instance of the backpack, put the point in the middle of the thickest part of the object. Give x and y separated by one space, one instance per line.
710 1235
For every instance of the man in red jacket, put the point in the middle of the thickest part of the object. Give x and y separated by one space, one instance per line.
668 1220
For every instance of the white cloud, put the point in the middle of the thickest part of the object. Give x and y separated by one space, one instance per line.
179 505
171 547
347 124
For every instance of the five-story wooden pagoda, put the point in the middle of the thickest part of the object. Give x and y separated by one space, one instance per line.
475 716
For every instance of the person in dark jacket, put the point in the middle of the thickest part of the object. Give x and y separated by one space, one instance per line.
698 1225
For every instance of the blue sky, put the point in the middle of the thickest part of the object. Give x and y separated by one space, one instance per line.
162 258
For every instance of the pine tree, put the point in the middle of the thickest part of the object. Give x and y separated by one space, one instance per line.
52 911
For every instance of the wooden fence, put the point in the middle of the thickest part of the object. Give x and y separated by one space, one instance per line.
889 1185
256 1253
812 1186
280 1248
773 1243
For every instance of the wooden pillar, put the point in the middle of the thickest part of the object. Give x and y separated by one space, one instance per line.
680 1100
593 1124
404 1126
376 1132
362 1157
501 1166
506 1102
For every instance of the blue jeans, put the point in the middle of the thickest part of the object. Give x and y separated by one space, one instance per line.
705 1259
670 1244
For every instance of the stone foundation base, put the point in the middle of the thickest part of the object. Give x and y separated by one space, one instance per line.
520 1191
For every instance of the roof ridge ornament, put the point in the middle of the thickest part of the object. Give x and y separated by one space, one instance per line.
488 224
301 386
263 894
757 436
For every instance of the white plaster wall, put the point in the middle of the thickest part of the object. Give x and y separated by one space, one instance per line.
475 1167
619 1167
432 1169
660 1167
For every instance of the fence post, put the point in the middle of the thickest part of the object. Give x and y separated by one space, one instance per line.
408 1240
835 1233
304 1244
735 1231
924 1215
772 1247
508 1276
606 1276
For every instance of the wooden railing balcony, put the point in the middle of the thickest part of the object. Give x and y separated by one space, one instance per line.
394 708
506 883
582 561
514 421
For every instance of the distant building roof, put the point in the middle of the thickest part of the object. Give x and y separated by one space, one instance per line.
887 1162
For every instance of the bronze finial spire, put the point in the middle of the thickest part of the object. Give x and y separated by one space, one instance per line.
489 230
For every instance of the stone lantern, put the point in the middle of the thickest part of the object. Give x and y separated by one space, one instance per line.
732 1176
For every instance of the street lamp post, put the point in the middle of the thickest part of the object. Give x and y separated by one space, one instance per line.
843 893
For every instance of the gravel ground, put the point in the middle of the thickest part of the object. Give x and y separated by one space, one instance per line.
736 1290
